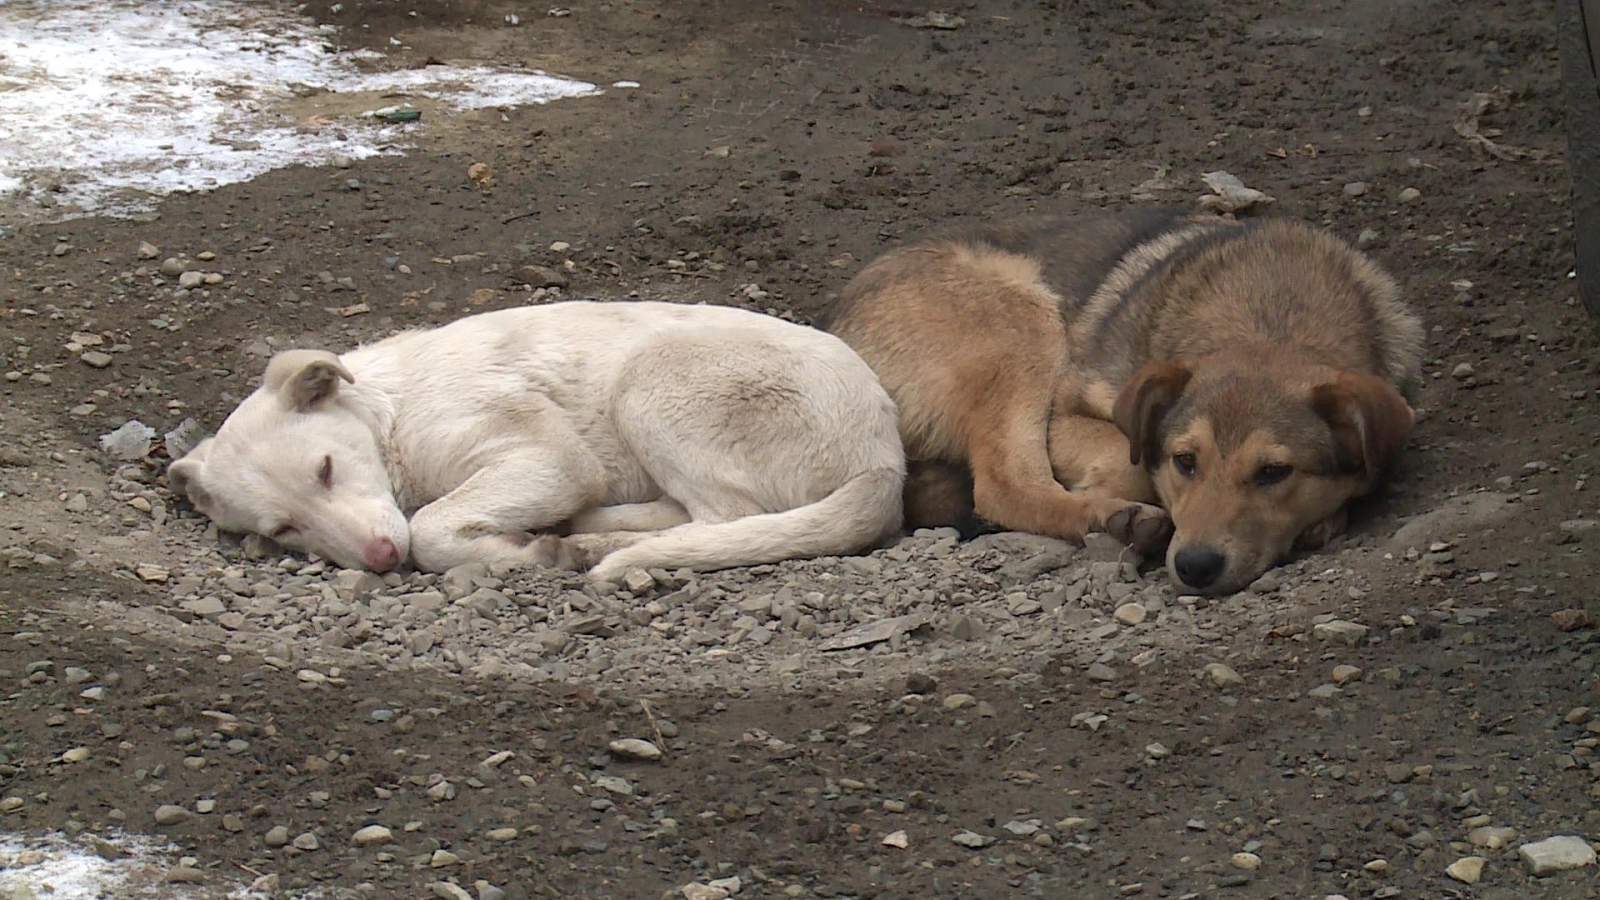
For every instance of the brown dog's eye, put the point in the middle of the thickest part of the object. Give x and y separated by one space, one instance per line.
1269 475
1184 463
325 474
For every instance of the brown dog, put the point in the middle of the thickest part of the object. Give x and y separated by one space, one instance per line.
1058 376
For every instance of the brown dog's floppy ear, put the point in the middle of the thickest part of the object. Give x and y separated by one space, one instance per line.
1143 401
1369 418
305 378
184 475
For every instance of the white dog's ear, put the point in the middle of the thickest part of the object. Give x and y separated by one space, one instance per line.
305 378
184 474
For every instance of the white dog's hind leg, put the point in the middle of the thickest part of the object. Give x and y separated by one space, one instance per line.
657 515
489 517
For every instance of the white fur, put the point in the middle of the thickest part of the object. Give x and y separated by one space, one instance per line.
658 434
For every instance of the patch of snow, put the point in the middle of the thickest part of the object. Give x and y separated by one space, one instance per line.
108 104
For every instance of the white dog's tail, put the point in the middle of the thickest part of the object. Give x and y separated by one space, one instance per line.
863 511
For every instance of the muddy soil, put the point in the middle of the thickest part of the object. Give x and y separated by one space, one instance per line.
770 150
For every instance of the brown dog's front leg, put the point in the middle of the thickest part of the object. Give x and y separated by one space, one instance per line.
1319 535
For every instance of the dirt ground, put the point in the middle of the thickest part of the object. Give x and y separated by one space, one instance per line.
780 145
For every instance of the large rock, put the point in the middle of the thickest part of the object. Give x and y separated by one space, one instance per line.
1557 854
1458 515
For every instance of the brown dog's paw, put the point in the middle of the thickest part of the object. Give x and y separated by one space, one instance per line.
557 553
1147 529
1321 534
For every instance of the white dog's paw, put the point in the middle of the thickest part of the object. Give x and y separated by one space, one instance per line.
606 571
555 553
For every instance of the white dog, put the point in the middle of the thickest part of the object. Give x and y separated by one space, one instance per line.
654 434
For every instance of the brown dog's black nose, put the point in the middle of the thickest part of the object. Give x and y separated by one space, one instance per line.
1199 567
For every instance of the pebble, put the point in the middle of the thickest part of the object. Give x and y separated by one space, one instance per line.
75 755
172 267
959 701
487 891
697 891
1131 614
191 279
372 834
268 884
1556 854
1355 188
276 836
1246 861
501 835
444 890
1222 676
442 859
148 250
167 814
307 842
971 840
1410 195
1463 371
1100 672
1348 633
634 748
1491 837
94 359
896 839
1467 869
1343 674
185 875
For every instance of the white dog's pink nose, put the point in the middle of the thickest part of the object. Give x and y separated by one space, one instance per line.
381 555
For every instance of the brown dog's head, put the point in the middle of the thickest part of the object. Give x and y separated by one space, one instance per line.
1253 459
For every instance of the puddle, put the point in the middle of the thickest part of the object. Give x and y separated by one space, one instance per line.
107 105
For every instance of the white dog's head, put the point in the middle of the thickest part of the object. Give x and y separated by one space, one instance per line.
296 463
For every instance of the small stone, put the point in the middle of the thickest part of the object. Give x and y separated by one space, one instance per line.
487 891
897 840
1367 238
1557 854
172 267
634 748
185 875
1570 619
148 250
1463 371
11 804
205 607
94 359
1246 861
697 891
190 280
971 840
268 884
167 814
372 834
1349 633
501 835
442 859
1222 676
1467 869
1410 195
444 890
638 581
1100 672
75 755
1343 674
276 836
1131 614
1355 189
307 842
1492 837
921 683
959 701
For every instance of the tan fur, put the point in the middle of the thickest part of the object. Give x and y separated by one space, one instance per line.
1024 357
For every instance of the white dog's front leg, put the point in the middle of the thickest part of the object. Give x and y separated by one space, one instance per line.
490 516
